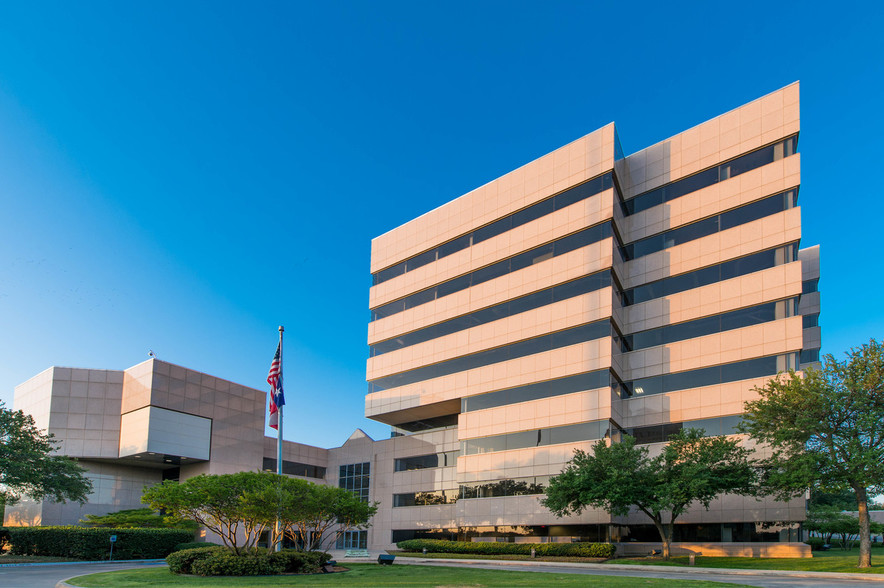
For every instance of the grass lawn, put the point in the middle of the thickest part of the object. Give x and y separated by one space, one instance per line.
822 561
375 575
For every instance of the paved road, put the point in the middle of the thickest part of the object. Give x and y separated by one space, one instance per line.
763 579
47 576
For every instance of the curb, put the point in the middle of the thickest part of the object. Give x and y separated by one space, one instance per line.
80 563
657 569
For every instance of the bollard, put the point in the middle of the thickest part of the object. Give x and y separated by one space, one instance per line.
533 553
425 550
691 559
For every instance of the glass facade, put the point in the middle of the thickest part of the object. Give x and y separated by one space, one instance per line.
546 389
719 323
510 487
564 291
710 275
525 259
517 219
428 498
421 462
713 175
356 478
563 338
711 225
538 438
294 468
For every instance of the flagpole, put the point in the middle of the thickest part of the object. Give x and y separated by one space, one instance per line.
279 442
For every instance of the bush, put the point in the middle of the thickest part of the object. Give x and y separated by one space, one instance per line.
816 543
224 563
195 545
605 550
180 562
4 537
301 562
92 544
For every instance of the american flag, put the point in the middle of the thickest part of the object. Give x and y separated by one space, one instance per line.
274 378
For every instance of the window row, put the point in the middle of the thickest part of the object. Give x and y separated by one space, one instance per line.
810 356
719 323
537 438
710 275
421 462
525 259
660 433
583 285
709 376
423 425
356 477
427 498
709 226
810 320
517 219
512 487
294 468
810 286
523 348
713 175
547 389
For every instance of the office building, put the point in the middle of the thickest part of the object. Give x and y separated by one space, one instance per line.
584 296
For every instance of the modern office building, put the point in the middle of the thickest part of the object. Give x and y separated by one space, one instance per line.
581 297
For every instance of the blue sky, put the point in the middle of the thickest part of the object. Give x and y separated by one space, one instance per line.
184 177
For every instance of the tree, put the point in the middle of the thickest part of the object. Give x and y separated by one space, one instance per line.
217 502
311 515
825 429
620 477
137 518
28 467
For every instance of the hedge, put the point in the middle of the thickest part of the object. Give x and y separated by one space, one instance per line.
816 543
181 561
225 563
93 543
301 562
195 545
605 550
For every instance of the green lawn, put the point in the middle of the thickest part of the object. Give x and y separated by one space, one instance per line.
822 561
375 575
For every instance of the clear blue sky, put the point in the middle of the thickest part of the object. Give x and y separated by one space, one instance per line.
184 177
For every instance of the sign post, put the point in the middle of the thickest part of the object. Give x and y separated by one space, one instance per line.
113 539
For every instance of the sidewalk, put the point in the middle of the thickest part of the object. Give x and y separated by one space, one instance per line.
613 568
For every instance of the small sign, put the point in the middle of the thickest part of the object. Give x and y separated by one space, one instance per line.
113 538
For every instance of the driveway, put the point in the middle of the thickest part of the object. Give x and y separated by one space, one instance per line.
48 575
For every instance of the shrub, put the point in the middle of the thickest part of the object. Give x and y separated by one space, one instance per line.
301 562
4 537
180 562
195 545
225 563
87 543
605 550
816 543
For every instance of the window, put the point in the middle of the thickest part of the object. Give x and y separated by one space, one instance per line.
352 540
713 175
525 259
294 468
567 434
516 219
355 477
578 334
420 462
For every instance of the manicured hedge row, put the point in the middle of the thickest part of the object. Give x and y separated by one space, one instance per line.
219 561
605 550
93 543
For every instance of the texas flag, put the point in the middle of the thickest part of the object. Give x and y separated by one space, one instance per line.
274 378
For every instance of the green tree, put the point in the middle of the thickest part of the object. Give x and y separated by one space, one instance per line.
217 502
825 430
28 467
622 476
140 518
311 515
